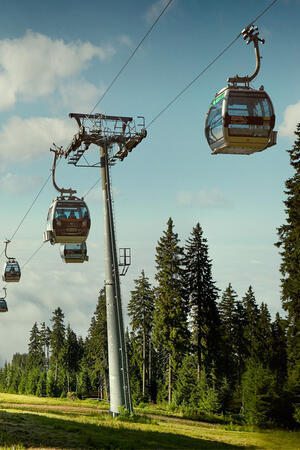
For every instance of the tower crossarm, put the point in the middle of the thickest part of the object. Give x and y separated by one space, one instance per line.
104 130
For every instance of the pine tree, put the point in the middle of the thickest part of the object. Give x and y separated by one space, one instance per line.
96 345
140 310
232 318
202 298
57 338
69 357
45 334
289 242
250 324
278 358
264 335
171 308
35 348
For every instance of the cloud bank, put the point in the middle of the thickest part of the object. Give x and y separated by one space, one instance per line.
24 139
18 184
204 198
291 118
34 65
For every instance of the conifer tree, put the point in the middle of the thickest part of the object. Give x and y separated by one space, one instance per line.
231 318
96 345
69 357
171 308
202 295
289 242
57 338
278 358
45 334
264 336
35 348
140 310
251 316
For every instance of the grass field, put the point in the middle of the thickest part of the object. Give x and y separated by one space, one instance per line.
32 422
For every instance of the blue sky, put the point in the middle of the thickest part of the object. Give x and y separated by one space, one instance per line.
59 57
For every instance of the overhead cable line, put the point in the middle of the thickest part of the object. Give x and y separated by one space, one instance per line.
131 56
33 254
103 95
159 114
28 211
208 66
92 187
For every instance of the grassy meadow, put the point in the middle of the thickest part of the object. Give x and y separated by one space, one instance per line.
33 422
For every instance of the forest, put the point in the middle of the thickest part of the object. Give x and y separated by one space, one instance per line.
191 347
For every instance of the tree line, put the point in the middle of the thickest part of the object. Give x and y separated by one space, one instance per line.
190 346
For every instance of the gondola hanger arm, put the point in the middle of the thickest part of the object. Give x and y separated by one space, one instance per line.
251 33
58 152
6 242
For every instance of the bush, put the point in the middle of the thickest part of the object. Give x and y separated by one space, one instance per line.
72 396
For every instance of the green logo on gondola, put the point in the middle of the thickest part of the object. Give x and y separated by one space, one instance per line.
216 100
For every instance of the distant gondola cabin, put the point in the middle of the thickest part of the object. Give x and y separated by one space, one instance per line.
11 271
3 305
74 253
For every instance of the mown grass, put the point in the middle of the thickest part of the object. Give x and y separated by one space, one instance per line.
25 426
33 400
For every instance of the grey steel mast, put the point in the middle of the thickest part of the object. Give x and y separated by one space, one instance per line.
106 131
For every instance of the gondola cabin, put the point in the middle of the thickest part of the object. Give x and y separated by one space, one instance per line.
74 253
11 271
240 121
68 221
3 305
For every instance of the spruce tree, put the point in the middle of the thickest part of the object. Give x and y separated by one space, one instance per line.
231 317
35 348
96 345
69 358
251 317
170 317
45 334
264 335
202 294
57 338
140 310
278 358
289 242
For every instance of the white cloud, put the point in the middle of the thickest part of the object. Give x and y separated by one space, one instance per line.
80 95
23 139
125 40
17 184
34 65
291 118
203 199
154 10
256 261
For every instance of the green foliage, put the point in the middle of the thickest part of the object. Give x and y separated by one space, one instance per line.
259 393
191 392
35 349
232 322
171 332
296 414
95 348
57 337
33 376
41 385
140 311
289 242
202 295
186 352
